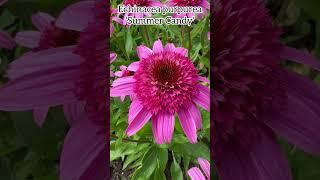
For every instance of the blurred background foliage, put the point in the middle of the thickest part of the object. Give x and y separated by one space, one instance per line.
28 152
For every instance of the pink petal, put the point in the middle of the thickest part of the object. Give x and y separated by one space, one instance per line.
196 115
138 122
29 39
118 20
76 16
188 125
143 52
82 145
40 115
135 108
74 112
118 73
6 40
204 79
122 98
170 47
300 57
157 46
123 80
122 90
113 57
182 51
162 127
205 166
42 20
40 89
196 174
297 119
133 66
53 58
203 99
263 161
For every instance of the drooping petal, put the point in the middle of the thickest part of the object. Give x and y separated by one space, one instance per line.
300 57
182 51
40 115
138 122
74 112
133 66
143 52
6 40
40 80
42 20
29 39
188 124
205 166
82 145
196 174
135 108
203 99
76 16
162 127
263 161
196 115
298 119
122 90
157 46
53 58
123 80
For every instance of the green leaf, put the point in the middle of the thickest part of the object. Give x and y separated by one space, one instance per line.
175 170
45 140
129 42
149 164
163 158
5 170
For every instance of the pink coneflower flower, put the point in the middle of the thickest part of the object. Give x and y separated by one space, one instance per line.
196 174
165 82
114 18
254 97
140 3
204 4
126 71
53 33
72 76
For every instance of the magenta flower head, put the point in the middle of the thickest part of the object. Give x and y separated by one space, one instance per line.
165 82
254 97
196 174
204 4
114 17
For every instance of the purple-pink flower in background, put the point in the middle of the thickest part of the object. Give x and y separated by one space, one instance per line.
254 97
196 174
204 4
114 18
165 82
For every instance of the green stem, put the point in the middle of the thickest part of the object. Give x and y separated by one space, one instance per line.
182 36
148 38
114 137
189 41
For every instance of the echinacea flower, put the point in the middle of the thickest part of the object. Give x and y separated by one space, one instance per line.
165 82
196 174
204 4
75 77
126 71
139 3
114 18
254 97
